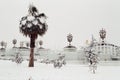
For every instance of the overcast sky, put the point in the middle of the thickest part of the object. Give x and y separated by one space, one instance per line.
82 18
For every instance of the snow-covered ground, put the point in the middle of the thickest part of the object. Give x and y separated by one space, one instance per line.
11 71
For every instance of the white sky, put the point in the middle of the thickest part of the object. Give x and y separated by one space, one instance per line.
82 18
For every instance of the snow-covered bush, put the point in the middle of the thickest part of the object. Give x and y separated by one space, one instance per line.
60 61
92 56
18 58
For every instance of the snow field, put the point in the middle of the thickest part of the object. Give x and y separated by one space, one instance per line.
11 71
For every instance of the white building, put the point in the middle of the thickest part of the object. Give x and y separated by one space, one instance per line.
107 51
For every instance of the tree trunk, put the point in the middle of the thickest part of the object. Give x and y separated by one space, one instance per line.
31 61
32 45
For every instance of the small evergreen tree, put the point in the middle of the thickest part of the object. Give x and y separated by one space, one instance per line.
18 58
92 55
60 61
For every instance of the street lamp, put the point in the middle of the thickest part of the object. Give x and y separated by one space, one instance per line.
69 38
102 34
41 43
14 42
32 25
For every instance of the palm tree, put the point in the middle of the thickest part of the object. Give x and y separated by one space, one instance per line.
33 25
14 42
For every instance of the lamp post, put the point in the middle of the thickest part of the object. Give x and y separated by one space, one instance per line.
69 38
27 44
102 34
41 43
2 43
32 25
14 42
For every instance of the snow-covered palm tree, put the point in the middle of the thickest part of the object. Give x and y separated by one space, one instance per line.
33 25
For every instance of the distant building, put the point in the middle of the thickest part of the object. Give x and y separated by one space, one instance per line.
106 51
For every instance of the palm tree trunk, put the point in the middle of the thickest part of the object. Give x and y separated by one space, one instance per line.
32 45
31 61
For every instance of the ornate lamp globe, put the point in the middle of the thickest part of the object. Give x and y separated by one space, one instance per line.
2 43
41 43
14 42
32 25
69 38
70 47
102 34
27 44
